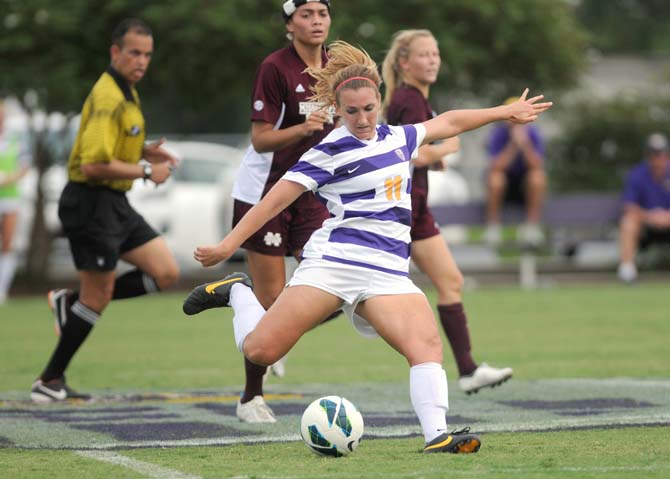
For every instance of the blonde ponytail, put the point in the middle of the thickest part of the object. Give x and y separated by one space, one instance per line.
348 67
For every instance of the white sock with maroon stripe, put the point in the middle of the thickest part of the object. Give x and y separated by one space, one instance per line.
248 312
430 397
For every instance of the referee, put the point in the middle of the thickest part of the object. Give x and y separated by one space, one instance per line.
97 219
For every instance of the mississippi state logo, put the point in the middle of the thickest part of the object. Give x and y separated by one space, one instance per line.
259 105
272 239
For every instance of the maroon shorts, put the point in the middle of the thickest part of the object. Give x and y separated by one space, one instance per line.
423 223
289 230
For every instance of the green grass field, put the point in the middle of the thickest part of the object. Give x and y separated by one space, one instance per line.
603 346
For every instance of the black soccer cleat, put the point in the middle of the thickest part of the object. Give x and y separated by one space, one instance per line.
58 303
458 442
55 391
213 295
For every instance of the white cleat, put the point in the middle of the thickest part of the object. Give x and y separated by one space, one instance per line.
279 368
484 376
530 234
493 235
255 411
627 272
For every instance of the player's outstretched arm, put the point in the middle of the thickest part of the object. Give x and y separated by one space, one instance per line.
282 194
455 122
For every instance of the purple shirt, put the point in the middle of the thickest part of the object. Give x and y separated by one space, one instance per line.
281 85
408 106
646 192
500 137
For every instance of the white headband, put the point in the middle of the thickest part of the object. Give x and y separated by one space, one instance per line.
290 6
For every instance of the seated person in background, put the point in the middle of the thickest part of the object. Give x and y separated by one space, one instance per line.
646 205
516 174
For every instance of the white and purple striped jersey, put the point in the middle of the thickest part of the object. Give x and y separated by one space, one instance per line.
366 187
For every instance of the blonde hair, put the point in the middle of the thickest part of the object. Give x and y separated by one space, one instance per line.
391 71
348 68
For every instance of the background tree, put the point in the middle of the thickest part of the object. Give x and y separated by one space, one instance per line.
625 26
207 52
603 138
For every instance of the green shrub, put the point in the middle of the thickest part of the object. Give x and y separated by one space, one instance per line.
601 140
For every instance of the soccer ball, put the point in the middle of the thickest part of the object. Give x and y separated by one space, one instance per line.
331 426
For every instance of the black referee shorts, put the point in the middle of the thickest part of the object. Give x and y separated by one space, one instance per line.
100 225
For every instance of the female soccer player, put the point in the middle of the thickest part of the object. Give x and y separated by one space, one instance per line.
358 260
284 126
410 68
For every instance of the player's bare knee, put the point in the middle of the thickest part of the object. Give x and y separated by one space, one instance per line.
260 356
259 352
454 280
167 277
424 349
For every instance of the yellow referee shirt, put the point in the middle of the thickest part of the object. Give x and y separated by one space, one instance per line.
112 126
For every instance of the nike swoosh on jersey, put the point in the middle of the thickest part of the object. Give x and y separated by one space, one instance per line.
353 169
209 289
60 395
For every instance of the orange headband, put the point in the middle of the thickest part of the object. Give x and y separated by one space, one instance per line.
337 88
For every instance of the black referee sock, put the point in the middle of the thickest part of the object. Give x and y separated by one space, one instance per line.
80 321
128 285
134 283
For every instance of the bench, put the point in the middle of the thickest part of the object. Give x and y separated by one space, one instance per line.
572 214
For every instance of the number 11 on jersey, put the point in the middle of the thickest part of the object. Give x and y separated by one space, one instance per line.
392 186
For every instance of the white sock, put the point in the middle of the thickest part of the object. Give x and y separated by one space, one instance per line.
248 312
7 270
430 398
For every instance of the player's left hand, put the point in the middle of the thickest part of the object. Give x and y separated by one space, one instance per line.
211 255
155 153
526 110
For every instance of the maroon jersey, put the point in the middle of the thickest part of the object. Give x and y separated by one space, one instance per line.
280 97
409 106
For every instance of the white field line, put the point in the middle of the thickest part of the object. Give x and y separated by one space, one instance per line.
222 441
145 468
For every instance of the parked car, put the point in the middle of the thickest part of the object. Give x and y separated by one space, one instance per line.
447 186
53 182
194 206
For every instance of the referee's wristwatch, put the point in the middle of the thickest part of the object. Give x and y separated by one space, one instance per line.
147 170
